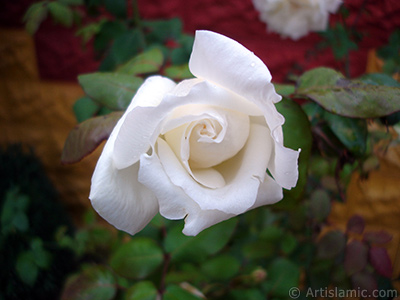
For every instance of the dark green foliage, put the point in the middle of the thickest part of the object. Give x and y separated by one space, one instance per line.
33 266
339 39
390 54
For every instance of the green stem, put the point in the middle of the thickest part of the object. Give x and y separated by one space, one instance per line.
167 259
138 23
347 65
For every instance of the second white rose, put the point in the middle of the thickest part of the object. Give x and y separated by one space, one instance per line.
296 18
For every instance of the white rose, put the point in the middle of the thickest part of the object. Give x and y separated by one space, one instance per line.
295 18
199 149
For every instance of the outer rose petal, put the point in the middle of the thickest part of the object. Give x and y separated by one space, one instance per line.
229 64
117 195
224 61
131 142
269 193
174 203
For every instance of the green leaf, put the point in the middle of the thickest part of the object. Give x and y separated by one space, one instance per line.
61 13
186 272
93 282
297 135
116 7
149 61
108 32
71 2
90 30
87 136
221 267
320 205
320 273
174 292
126 46
20 221
143 290
241 294
379 79
339 40
137 259
112 90
284 89
392 49
34 16
162 30
353 133
288 243
26 268
13 212
41 256
208 242
108 64
259 249
178 72
349 98
331 244
282 276
271 234
179 56
266 245
85 108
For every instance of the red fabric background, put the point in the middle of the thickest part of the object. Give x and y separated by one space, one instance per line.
61 56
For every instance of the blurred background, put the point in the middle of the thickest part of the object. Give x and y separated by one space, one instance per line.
39 87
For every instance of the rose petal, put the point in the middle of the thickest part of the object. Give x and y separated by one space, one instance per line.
131 142
178 142
208 140
207 152
243 174
226 62
149 96
197 221
212 58
142 125
117 195
209 177
269 192
174 203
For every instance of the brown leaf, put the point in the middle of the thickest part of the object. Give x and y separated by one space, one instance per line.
87 136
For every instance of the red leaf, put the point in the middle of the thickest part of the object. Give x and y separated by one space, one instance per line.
87 136
356 257
377 237
331 244
356 224
364 282
380 260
